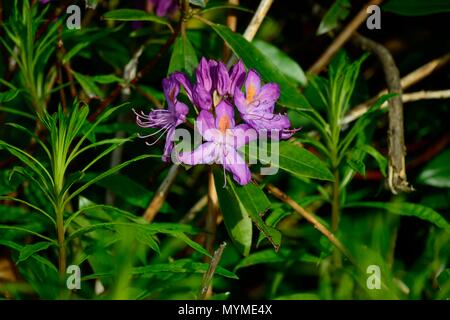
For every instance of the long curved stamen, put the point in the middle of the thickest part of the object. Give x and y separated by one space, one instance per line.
154 133
266 116
159 138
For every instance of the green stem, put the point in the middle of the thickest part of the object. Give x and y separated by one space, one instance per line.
335 205
61 244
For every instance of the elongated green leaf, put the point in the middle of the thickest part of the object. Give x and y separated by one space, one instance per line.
108 173
30 249
253 58
437 172
417 7
379 158
125 188
236 218
255 203
286 64
88 85
407 209
107 78
293 159
134 15
8 95
20 229
362 122
29 205
183 57
18 247
338 12
213 6
269 256
181 266
199 3
30 162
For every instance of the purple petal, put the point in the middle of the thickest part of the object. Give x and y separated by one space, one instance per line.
203 154
268 95
202 98
243 134
181 110
240 102
204 75
252 85
223 79
224 116
268 121
171 89
163 7
205 124
213 65
234 163
184 81
237 77
168 146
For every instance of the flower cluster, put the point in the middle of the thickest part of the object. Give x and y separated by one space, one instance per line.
215 93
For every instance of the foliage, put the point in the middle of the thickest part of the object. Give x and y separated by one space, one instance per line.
75 182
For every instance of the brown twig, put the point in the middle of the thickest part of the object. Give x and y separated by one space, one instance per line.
213 212
196 208
341 39
161 194
254 24
310 218
407 81
397 179
205 289
232 24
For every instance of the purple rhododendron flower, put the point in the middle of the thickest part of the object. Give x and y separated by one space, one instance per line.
258 104
165 119
215 93
214 83
163 7
223 138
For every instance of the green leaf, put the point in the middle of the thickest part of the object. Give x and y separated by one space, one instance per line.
20 229
199 3
416 7
235 217
88 85
74 51
183 57
30 249
125 188
180 266
407 209
299 296
338 12
107 78
286 64
357 165
362 122
108 173
270 256
8 95
295 160
214 6
290 96
437 172
18 247
134 15
255 203
379 158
